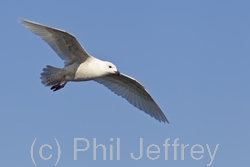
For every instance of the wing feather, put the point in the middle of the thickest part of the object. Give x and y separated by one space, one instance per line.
130 89
62 42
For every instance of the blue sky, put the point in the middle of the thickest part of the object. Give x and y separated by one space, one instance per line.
192 56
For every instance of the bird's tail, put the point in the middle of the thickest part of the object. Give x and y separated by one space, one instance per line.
51 75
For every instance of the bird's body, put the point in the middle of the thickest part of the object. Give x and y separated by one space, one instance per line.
80 66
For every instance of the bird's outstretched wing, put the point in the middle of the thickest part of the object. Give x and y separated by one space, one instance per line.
62 42
130 89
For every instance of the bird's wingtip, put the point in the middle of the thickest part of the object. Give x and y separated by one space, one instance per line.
21 20
165 121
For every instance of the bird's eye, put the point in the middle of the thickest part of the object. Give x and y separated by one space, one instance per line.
110 66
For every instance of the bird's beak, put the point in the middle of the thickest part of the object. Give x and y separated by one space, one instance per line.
118 73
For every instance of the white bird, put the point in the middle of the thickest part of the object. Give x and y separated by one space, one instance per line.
80 66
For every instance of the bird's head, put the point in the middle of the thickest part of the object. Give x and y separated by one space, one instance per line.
111 68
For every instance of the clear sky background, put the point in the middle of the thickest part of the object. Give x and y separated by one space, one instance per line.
192 56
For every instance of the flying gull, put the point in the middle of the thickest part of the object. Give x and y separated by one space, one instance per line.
80 66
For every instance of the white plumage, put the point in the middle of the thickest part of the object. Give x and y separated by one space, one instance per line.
80 66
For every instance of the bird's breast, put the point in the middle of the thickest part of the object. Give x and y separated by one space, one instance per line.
86 72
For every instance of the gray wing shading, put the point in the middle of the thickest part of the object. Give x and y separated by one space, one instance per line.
130 89
62 42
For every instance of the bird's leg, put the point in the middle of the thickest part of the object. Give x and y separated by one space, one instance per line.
58 86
